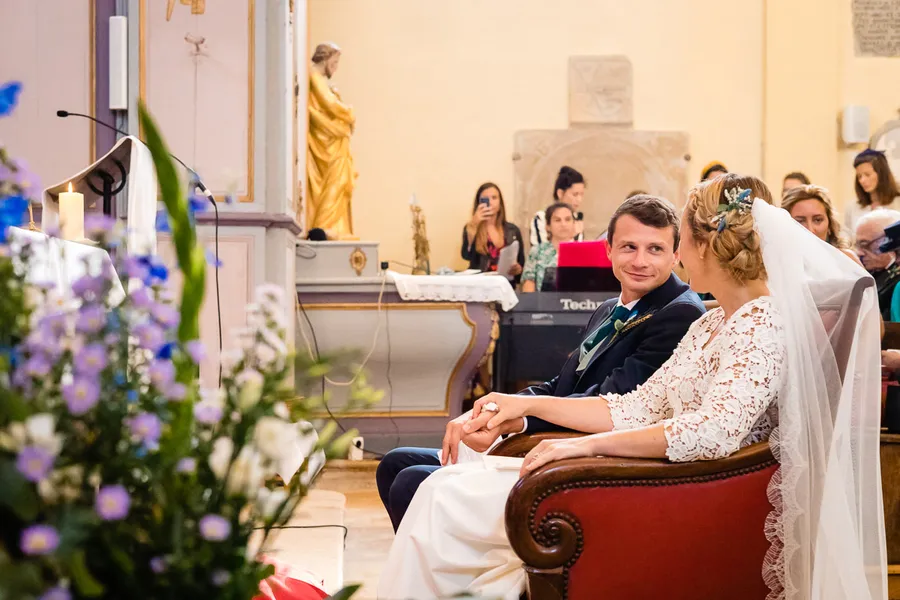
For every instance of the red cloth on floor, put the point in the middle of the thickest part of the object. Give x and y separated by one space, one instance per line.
285 585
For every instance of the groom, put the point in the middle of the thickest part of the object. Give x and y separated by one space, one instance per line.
626 341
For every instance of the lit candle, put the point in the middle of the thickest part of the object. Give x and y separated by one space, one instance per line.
71 215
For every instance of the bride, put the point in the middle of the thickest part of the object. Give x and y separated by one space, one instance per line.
758 367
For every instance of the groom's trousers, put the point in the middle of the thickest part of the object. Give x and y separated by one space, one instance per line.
399 475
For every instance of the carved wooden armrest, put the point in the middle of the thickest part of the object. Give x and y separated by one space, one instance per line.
521 444
554 540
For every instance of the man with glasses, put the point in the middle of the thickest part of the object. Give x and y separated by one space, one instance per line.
882 265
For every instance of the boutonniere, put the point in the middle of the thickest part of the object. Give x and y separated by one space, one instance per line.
632 323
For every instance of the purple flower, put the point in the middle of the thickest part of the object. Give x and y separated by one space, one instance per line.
176 392
213 260
37 366
34 462
165 315
91 360
220 577
39 540
91 319
186 465
135 268
141 298
146 427
81 395
214 528
162 222
196 351
112 503
98 225
162 373
208 412
88 287
54 324
150 336
158 564
57 593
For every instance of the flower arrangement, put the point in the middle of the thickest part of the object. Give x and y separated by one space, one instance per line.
119 476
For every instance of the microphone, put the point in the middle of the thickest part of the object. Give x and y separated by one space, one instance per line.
199 183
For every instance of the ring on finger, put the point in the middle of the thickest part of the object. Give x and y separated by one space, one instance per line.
491 407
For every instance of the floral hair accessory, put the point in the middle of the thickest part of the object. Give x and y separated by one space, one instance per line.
738 200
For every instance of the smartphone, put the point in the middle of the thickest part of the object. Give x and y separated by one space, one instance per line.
484 200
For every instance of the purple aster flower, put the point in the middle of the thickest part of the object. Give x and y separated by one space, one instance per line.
162 373
88 287
186 465
196 350
176 392
39 540
150 336
208 412
214 528
91 360
34 463
162 222
54 324
220 577
37 366
135 268
112 503
158 564
57 593
141 298
91 319
146 427
81 395
213 260
229 198
165 315
98 225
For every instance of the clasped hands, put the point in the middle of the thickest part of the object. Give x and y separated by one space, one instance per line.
479 429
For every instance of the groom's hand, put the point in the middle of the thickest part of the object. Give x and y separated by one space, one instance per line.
452 436
484 438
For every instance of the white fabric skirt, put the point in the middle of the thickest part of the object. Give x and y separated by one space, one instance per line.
453 537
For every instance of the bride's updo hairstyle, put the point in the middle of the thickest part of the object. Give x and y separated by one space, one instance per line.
719 215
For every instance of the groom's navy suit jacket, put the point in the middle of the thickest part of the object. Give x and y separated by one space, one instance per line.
627 359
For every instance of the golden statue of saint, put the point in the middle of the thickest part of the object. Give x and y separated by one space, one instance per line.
329 165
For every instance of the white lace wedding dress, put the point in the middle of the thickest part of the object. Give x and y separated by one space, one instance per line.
713 397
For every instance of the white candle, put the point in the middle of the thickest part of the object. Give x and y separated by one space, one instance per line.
71 215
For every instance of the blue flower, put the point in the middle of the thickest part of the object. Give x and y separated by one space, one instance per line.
9 97
165 351
12 214
162 222
197 203
119 378
213 260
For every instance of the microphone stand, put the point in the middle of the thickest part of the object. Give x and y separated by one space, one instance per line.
108 193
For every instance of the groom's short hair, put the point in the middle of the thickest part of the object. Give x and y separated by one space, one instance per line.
652 211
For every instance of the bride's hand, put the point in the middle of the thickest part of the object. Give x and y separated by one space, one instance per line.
509 407
551 450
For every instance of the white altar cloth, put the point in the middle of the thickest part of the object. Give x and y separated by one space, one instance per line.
62 263
455 288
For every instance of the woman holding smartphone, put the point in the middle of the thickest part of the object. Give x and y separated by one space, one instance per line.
488 232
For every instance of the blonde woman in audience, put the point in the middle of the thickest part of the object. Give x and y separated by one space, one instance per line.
759 362
811 206
560 220
875 186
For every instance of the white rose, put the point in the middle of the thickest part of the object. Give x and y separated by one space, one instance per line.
275 340
41 429
268 502
246 474
281 411
245 337
275 438
250 382
223 447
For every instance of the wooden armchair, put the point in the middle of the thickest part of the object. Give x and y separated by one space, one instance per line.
620 529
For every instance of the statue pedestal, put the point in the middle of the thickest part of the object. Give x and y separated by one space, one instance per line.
423 353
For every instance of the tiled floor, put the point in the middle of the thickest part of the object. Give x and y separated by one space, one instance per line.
369 534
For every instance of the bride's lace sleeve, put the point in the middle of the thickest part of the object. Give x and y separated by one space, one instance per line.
647 404
747 380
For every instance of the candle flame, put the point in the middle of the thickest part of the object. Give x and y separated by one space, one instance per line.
70 187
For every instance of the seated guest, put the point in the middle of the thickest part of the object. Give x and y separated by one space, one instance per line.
560 221
875 186
569 189
882 265
793 180
488 232
643 238
713 170
811 206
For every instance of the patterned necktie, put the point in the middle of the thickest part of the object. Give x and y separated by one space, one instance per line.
605 330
